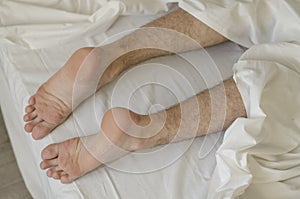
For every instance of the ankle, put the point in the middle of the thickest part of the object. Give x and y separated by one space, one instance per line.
118 125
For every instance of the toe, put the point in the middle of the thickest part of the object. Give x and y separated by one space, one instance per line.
45 164
29 126
54 173
30 116
49 172
31 100
50 152
57 174
29 109
66 179
41 130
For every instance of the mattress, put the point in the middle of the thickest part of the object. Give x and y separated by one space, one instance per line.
181 170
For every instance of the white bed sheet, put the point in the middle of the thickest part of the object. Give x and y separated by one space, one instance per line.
23 70
249 22
259 156
256 160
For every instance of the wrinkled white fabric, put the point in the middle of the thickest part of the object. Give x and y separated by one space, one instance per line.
259 157
38 24
23 70
245 22
249 22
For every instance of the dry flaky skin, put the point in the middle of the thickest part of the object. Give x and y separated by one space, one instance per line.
70 159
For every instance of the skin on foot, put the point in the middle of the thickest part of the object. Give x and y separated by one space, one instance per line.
71 159
52 103
68 160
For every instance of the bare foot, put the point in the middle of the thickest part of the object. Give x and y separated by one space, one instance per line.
52 103
68 160
71 159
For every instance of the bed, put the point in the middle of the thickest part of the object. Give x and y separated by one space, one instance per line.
206 167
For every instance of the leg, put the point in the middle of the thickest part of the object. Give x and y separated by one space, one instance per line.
218 108
73 160
52 103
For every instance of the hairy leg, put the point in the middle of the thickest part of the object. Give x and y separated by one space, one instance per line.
69 160
54 100
217 109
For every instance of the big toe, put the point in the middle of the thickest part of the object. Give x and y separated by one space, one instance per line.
42 129
50 152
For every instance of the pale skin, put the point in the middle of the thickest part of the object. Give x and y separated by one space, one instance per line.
51 105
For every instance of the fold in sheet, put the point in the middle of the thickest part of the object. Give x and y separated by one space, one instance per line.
244 22
249 22
259 157
179 180
36 24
